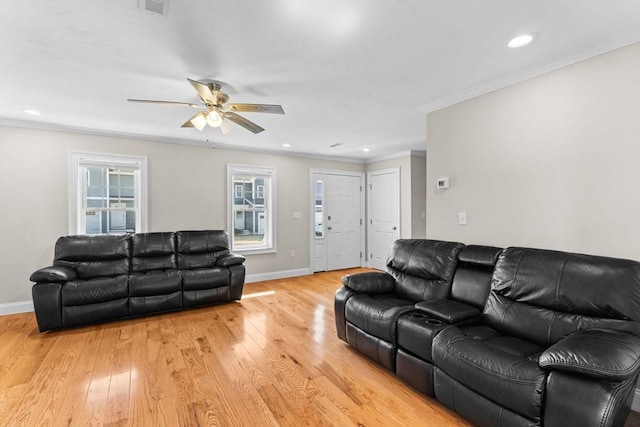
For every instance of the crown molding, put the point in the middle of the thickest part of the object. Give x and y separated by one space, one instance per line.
151 138
405 153
154 138
526 74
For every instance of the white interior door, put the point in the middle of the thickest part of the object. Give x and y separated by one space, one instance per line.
383 213
337 221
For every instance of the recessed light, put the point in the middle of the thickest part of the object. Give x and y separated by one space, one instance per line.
520 41
286 145
366 150
32 112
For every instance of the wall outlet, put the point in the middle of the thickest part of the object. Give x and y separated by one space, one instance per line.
293 254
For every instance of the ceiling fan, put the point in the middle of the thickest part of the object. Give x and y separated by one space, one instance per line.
218 112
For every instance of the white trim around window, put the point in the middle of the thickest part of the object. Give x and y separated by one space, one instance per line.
251 225
133 165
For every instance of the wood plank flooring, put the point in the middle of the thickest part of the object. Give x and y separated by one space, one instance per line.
272 359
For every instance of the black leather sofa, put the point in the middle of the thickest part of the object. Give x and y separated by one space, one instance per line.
513 337
106 277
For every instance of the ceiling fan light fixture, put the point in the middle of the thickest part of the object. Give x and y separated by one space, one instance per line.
225 127
199 121
214 119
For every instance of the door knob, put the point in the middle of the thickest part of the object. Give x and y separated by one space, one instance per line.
395 228
329 228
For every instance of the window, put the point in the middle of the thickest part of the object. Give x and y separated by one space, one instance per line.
319 209
107 194
251 217
239 192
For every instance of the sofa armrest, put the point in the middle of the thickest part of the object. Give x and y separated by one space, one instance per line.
53 274
603 354
448 310
230 259
373 282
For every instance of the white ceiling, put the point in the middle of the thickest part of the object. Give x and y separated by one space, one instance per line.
358 73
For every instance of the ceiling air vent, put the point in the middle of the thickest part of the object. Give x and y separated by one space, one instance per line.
159 7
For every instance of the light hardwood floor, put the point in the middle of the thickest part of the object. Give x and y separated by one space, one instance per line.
272 359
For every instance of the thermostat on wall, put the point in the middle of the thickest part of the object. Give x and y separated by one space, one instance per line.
442 183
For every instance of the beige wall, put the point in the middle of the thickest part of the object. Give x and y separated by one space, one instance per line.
186 191
418 197
553 162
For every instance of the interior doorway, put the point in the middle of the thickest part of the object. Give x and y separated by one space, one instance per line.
383 214
337 239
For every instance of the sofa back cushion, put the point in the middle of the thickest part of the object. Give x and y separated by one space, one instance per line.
543 295
94 256
423 269
472 279
153 251
201 249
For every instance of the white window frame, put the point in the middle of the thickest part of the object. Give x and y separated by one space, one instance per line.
239 191
78 160
259 192
269 207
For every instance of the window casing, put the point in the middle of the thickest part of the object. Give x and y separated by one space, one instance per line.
107 194
251 211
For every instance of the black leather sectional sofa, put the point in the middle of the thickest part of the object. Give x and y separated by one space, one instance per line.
513 337
100 278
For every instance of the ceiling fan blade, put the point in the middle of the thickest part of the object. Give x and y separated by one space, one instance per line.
151 101
198 120
257 108
204 92
239 120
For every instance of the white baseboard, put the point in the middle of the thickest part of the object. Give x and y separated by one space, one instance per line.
16 307
260 277
635 405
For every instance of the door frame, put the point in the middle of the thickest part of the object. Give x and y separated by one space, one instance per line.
395 170
312 209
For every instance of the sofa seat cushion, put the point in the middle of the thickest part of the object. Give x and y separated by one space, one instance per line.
501 368
96 290
155 282
377 314
204 278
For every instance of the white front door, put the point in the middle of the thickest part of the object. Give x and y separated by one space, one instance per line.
343 221
383 213
337 221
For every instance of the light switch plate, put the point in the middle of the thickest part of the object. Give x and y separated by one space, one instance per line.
462 218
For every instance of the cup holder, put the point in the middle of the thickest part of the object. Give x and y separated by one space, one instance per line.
428 320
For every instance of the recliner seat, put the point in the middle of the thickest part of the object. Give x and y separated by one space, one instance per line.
369 305
548 312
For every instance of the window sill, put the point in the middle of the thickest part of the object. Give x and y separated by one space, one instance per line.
255 251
